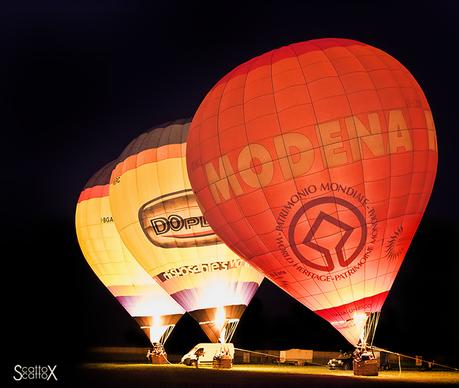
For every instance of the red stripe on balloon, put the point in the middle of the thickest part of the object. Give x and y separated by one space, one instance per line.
151 155
94 192
369 304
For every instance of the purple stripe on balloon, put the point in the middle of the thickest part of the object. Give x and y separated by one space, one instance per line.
228 294
128 300
149 305
131 304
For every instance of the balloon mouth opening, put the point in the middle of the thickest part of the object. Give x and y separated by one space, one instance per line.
218 331
360 328
227 332
158 334
226 326
360 319
158 329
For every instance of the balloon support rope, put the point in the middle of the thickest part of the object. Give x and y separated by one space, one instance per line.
270 355
378 349
372 347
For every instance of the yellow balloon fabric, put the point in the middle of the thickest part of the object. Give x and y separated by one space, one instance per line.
154 310
159 220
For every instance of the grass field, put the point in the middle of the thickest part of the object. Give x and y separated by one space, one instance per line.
144 375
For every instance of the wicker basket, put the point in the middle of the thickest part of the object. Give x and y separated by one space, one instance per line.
223 362
160 359
366 368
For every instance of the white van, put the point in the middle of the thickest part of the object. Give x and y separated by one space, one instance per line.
208 351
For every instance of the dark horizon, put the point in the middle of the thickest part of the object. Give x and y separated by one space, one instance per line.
82 80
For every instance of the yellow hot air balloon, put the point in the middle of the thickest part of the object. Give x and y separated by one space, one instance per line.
159 220
153 309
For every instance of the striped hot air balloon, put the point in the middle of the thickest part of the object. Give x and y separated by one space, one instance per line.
153 309
159 220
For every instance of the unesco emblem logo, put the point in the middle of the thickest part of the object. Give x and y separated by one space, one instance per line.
354 224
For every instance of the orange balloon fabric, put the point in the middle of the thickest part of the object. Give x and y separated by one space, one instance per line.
315 163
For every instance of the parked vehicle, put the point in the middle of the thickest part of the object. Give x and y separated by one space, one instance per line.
204 353
343 361
295 356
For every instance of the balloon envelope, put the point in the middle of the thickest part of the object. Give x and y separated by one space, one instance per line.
315 162
159 220
154 310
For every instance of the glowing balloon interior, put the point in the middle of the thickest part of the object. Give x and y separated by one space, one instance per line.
315 163
159 220
154 310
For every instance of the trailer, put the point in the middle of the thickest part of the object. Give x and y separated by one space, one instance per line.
295 356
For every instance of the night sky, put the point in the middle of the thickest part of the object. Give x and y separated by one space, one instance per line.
80 80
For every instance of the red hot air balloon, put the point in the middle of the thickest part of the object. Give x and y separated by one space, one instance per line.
315 163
